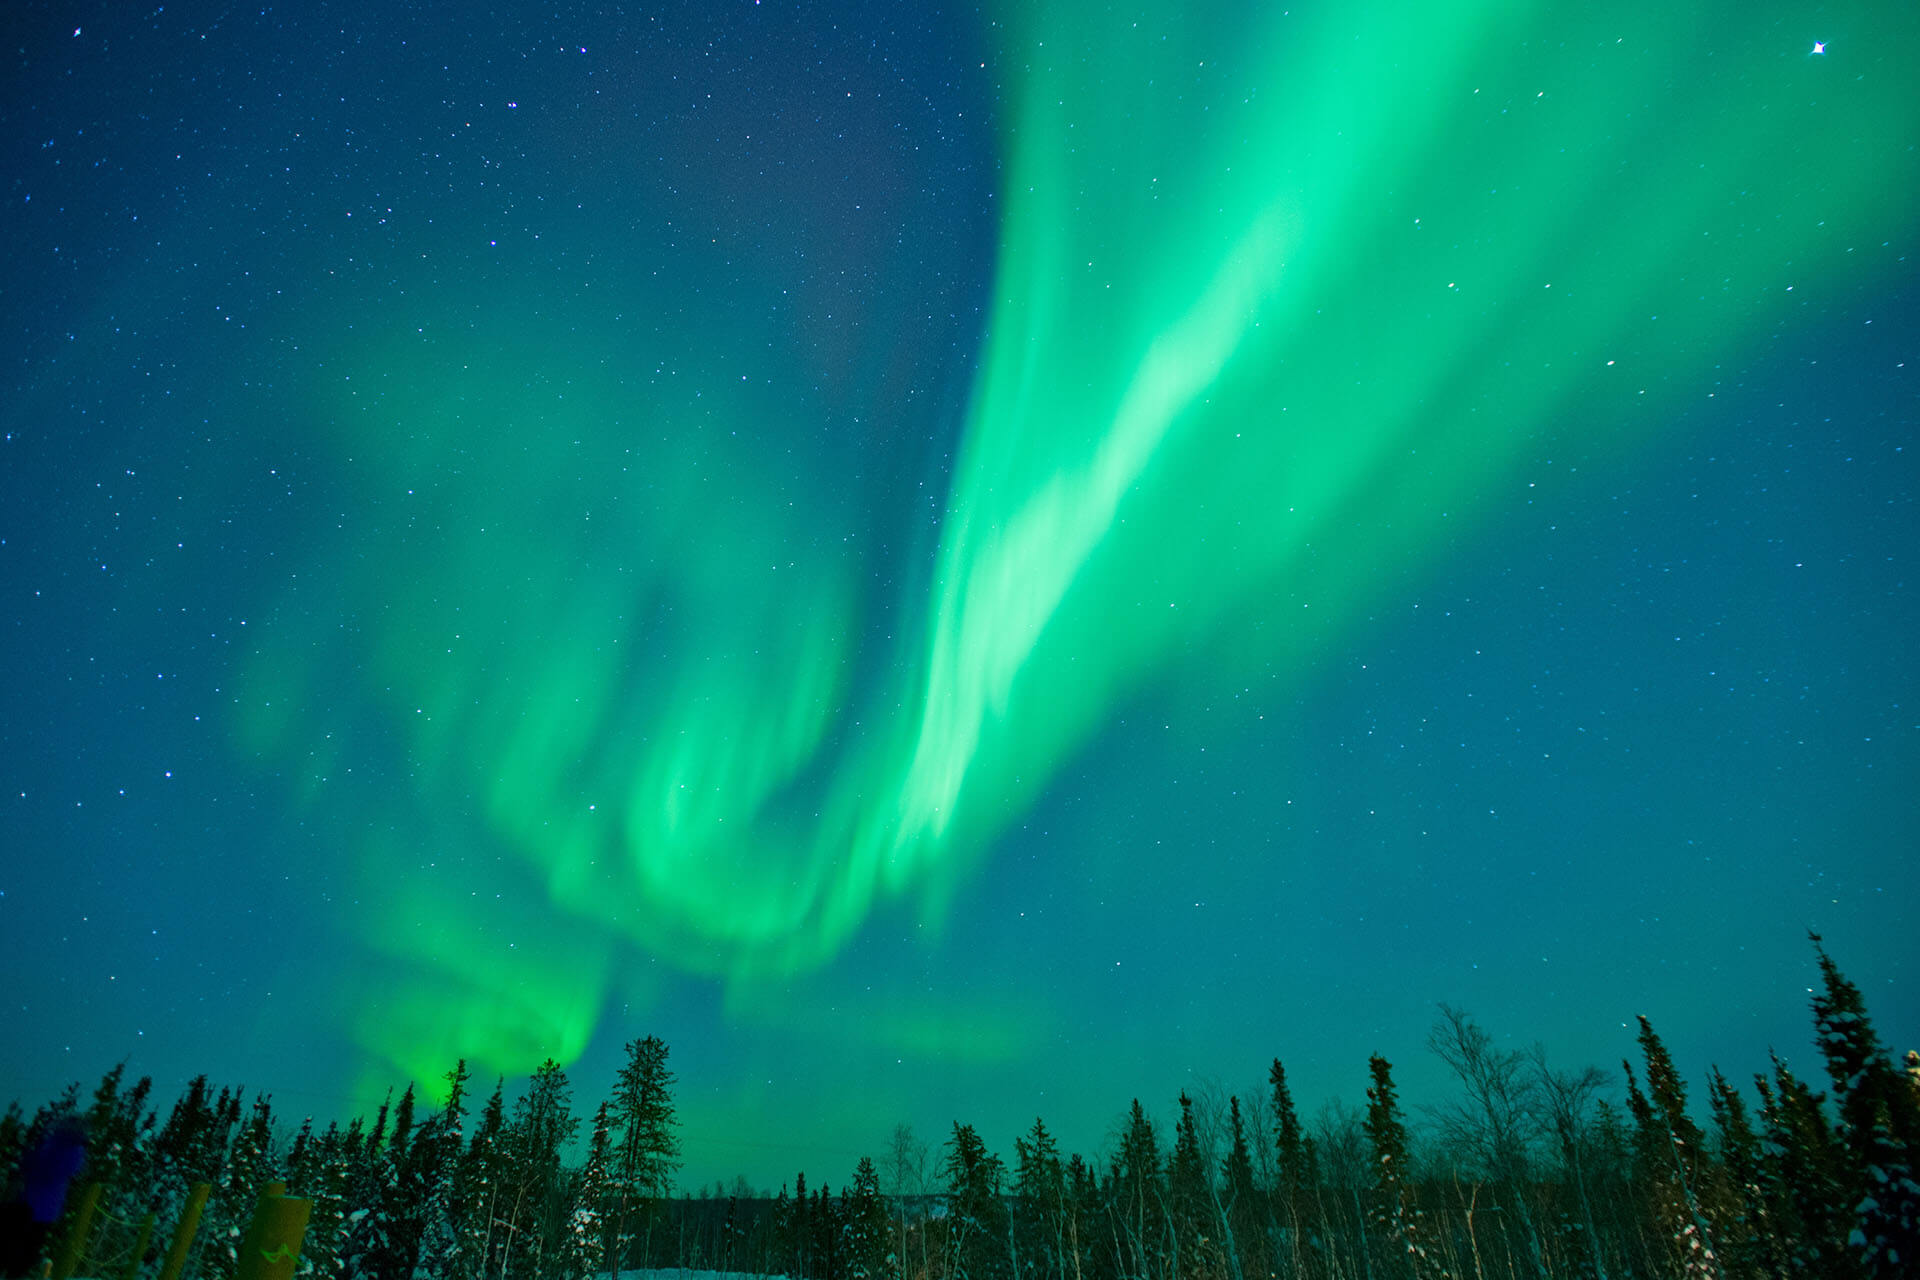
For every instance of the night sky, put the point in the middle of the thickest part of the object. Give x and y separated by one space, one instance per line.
952 564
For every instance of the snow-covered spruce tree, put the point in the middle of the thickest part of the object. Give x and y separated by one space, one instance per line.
976 1213
583 1250
1395 1209
1748 1242
1879 1125
249 1166
1802 1172
119 1144
322 1179
119 1135
189 1148
646 1151
866 1226
397 1209
1669 1149
363 1231
476 1192
438 1150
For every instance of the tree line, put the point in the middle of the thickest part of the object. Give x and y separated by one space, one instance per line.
1528 1171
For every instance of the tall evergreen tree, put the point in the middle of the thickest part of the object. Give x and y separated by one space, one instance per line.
1746 1240
479 1185
1802 1172
440 1148
1879 1124
392 1227
976 1214
867 1227
1039 1204
1136 1198
536 1201
248 1166
1395 1207
1189 1207
586 1242
645 1154
322 1179
1672 1149
827 1228
1241 1219
1294 1173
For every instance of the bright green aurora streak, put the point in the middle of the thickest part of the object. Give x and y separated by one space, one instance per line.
1277 309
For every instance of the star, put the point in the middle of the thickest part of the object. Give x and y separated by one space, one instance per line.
1819 46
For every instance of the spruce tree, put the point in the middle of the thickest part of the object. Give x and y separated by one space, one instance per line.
188 1147
1294 1173
827 1228
1039 1203
1672 1149
1395 1208
478 1187
645 1152
323 1180
787 1248
1879 1124
537 1209
1802 1170
440 1148
1746 1238
1136 1198
392 1229
1242 1219
248 1166
976 1221
585 1247
867 1231
1188 1200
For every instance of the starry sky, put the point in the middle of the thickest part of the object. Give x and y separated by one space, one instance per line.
952 563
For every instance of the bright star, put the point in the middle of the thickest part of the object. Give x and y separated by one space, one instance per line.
1819 46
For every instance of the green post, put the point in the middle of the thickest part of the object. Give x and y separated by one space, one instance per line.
184 1233
67 1261
271 1249
139 1247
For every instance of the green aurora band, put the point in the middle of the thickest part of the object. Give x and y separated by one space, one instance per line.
1281 304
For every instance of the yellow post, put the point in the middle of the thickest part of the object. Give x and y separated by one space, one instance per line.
271 1248
75 1246
139 1247
184 1233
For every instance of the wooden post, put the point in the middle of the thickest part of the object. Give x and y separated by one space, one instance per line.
67 1261
139 1247
271 1248
184 1233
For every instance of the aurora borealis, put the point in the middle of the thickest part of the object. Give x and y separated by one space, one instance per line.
951 564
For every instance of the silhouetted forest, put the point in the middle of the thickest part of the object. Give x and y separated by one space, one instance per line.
1526 1171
